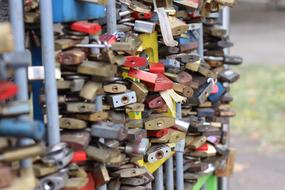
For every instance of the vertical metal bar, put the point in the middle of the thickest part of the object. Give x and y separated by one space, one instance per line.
16 13
158 177
223 182
169 178
47 42
179 155
111 17
226 24
103 187
201 43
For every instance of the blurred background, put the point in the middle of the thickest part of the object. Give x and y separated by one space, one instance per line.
258 131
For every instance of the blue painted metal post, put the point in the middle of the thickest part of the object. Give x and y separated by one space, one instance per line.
111 17
169 177
111 28
223 182
201 43
179 155
158 177
16 14
47 42
37 85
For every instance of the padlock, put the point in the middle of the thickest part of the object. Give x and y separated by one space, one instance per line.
7 90
160 122
86 27
129 172
115 88
14 108
100 175
158 133
155 102
62 44
136 107
109 131
80 107
59 155
76 140
23 152
136 135
90 90
157 152
140 148
71 57
228 76
158 68
183 89
161 83
71 123
140 90
6 39
143 75
94 117
195 142
56 181
144 26
97 69
101 154
119 100
175 136
140 15
181 125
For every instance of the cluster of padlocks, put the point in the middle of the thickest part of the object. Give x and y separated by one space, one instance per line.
141 87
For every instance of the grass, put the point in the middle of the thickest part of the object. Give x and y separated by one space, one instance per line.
259 99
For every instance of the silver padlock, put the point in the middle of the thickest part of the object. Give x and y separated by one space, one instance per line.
59 155
109 131
119 100
54 182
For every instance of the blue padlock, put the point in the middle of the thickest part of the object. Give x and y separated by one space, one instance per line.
22 128
74 10
214 98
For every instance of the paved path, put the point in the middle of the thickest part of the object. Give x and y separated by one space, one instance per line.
258 33
257 169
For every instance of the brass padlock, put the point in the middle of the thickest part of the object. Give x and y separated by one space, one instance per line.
6 38
141 91
114 88
97 69
71 123
94 117
160 122
90 90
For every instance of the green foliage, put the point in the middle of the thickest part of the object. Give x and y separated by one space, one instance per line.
259 100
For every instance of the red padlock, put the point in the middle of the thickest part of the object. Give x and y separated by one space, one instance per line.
158 68
215 89
203 148
86 27
158 133
90 185
7 90
162 83
143 75
79 156
109 38
155 102
138 15
134 61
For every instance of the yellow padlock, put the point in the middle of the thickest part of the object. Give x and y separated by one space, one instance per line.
136 115
150 46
